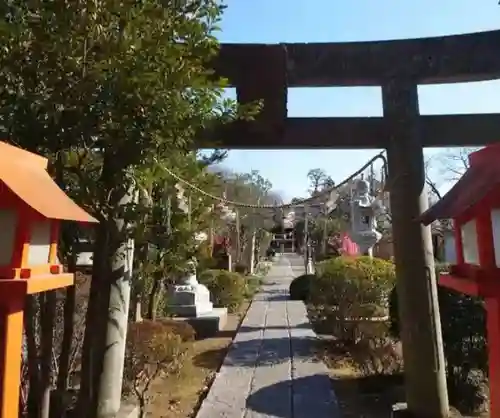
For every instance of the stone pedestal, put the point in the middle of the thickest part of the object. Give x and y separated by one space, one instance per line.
190 302
189 298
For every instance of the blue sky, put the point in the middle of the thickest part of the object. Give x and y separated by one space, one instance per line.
274 21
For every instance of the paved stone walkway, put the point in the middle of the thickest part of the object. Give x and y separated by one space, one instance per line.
269 370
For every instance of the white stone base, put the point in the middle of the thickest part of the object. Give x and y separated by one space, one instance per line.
190 299
128 410
191 311
208 324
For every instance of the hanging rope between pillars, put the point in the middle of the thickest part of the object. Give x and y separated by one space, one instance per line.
195 188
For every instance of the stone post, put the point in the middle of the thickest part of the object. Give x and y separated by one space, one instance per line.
426 392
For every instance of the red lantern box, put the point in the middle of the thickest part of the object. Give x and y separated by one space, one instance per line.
31 209
474 206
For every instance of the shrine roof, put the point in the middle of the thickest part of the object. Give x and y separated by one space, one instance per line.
25 174
475 184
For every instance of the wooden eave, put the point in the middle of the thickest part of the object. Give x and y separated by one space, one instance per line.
25 174
473 186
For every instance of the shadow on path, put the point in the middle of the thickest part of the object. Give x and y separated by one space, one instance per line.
306 397
254 353
245 328
277 297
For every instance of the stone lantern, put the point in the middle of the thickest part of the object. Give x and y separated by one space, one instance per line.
226 214
32 207
190 301
189 298
364 211
474 206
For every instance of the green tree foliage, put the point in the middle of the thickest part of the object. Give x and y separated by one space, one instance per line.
316 227
114 83
165 238
108 89
248 188
319 181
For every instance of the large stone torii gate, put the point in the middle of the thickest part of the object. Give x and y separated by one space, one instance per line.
265 72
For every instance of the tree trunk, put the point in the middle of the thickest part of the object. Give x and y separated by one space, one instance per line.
117 304
238 237
325 237
108 306
47 343
66 346
113 351
95 326
33 399
153 300
211 238
141 253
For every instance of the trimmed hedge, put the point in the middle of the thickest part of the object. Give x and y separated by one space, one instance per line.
300 287
359 286
241 268
349 289
253 284
227 289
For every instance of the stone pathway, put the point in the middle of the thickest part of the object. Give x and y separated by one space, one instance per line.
270 369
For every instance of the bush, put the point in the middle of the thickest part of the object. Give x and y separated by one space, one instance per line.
227 288
299 288
185 331
463 324
241 268
349 290
253 284
319 257
206 263
375 353
153 349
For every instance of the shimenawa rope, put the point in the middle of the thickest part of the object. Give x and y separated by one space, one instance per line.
282 206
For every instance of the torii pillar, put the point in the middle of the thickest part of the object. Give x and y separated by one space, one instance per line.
425 378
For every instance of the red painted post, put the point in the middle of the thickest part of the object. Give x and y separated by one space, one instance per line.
493 333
